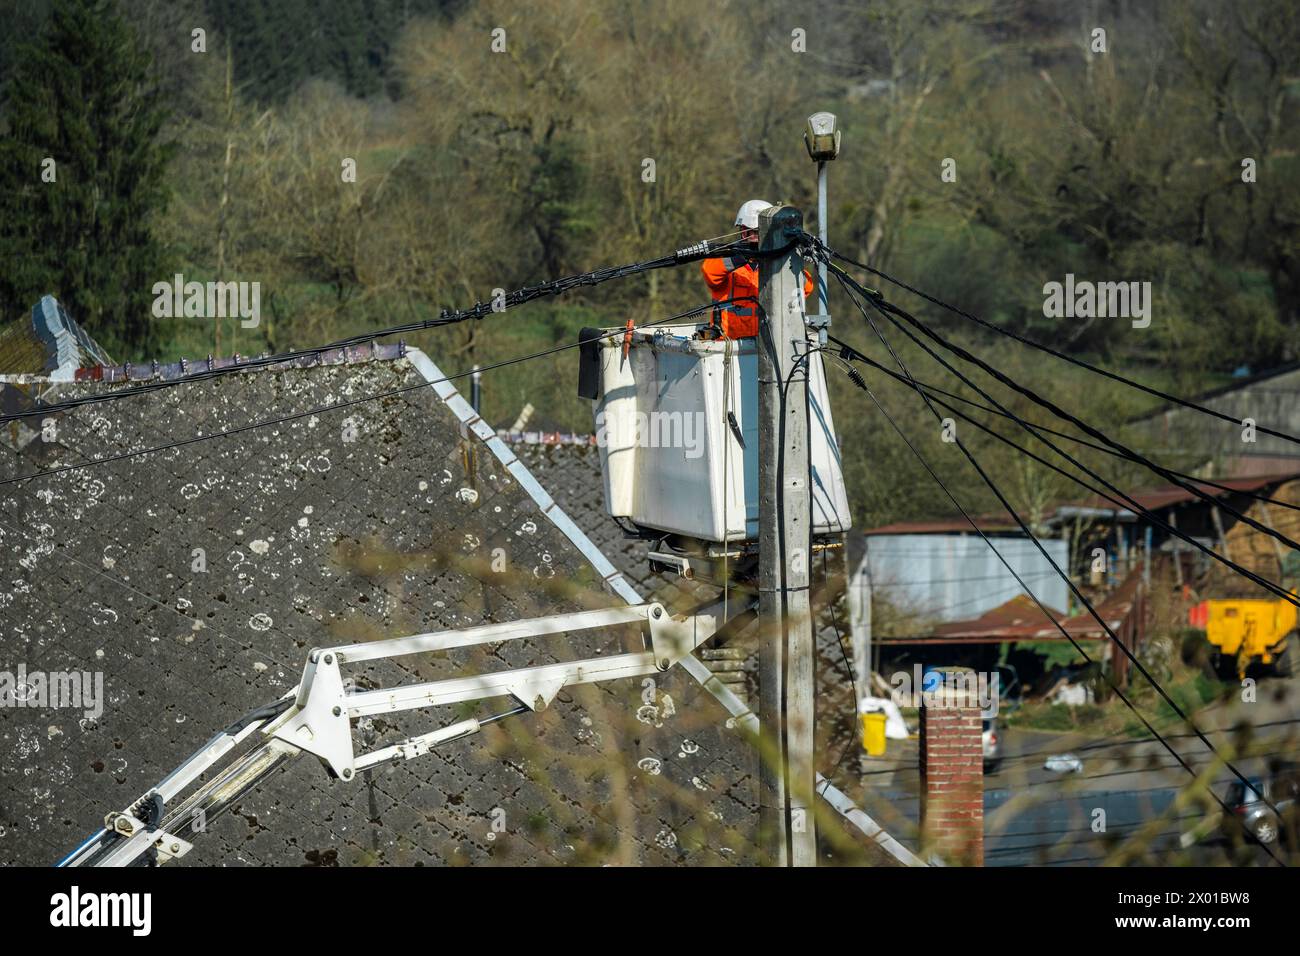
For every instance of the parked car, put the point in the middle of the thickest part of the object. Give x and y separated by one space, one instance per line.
992 741
1249 805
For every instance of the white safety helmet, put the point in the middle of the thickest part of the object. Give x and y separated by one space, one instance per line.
748 214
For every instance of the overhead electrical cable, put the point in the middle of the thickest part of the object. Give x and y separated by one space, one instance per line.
480 310
885 307
1096 446
857 378
1114 376
347 403
1123 500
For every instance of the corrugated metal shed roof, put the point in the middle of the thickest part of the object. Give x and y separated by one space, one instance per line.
1152 499
987 523
1020 619
1163 496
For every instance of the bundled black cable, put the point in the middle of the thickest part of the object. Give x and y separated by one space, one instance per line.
346 403
478 311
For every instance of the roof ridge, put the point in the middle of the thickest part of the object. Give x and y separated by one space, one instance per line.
185 368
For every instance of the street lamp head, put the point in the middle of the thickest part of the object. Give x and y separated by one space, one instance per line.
822 137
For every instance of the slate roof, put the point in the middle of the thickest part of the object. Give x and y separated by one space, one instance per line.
571 472
373 521
310 539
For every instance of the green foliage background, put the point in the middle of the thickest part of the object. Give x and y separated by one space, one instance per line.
479 170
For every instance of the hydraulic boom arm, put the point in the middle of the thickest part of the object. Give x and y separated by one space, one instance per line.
316 718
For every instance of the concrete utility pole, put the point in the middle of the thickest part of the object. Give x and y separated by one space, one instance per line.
787 776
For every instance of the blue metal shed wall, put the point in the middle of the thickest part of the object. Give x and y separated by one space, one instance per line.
955 577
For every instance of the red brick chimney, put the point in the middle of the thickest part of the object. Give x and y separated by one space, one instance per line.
952 778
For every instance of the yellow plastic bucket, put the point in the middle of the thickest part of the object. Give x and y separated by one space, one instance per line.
873 734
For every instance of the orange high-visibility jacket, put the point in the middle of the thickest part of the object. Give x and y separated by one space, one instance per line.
731 277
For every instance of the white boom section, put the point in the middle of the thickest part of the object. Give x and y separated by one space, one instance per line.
316 717
320 721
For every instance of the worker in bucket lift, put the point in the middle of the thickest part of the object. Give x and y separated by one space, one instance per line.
735 277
